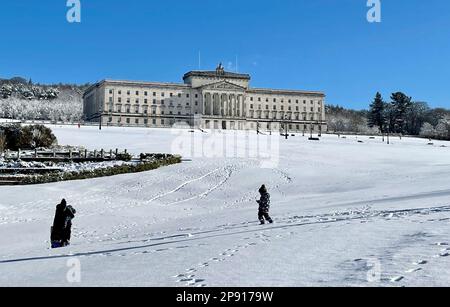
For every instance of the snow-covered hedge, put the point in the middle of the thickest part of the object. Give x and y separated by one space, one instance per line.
123 168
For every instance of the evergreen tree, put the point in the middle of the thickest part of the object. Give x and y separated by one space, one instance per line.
376 114
400 105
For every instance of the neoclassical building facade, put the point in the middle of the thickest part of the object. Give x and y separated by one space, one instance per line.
207 99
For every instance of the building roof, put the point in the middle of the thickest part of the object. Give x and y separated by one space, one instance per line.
284 92
216 74
135 83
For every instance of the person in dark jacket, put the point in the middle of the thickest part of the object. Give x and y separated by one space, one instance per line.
69 215
264 206
58 223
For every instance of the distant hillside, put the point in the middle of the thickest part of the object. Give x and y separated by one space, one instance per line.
22 99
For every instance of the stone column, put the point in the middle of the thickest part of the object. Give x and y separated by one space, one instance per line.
240 106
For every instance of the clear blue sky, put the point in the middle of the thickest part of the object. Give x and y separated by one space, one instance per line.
323 45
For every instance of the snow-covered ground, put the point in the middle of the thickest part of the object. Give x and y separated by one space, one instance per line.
346 214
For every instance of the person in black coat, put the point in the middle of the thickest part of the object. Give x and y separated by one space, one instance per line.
62 225
264 206
59 222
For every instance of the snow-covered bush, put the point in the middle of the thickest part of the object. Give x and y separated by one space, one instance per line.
27 137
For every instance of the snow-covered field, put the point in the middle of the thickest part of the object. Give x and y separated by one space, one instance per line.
346 214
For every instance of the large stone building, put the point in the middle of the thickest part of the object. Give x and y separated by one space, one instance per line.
207 99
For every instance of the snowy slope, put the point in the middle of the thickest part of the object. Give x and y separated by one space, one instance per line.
345 212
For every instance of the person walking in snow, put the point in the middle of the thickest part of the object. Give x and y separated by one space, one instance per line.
264 206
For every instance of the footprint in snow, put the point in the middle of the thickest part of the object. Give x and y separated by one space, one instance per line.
444 254
414 270
397 279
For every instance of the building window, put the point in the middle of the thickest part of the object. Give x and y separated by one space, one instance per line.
128 120
110 119
154 101
196 103
267 107
162 101
275 100
162 94
128 92
187 95
196 95
154 121
251 98
137 100
137 93
162 121
128 100
119 92
259 98
119 99
136 121
145 101
282 108
145 121
110 99
145 93
154 94
110 91
251 106
171 94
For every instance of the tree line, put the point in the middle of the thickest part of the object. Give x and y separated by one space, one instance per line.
402 115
